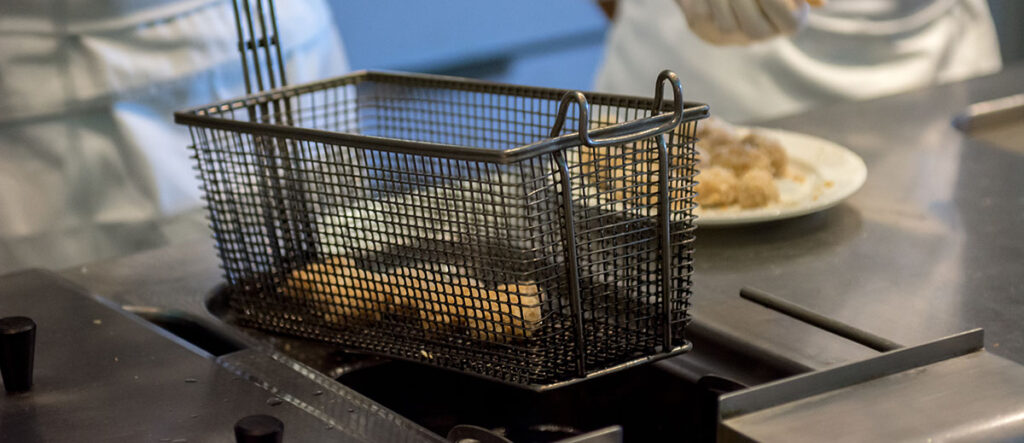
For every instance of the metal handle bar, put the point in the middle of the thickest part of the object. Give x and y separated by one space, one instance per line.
810 317
584 114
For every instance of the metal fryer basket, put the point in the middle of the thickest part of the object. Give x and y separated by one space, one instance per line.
530 235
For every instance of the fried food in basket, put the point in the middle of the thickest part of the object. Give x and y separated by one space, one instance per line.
344 291
441 302
512 310
437 300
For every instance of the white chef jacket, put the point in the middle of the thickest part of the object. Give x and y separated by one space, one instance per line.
849 50
91 163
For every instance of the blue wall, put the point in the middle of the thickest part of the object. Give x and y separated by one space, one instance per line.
556 43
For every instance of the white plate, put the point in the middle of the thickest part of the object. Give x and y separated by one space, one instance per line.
820 175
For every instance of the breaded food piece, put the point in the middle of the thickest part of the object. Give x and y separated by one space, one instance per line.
434 298
712 126
510 311
772 149
713 132
347 293
740 158
756 189
716 186
351 294
715 136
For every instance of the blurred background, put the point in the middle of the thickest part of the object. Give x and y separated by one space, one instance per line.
555 43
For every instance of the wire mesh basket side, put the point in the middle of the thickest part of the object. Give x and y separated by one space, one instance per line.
455 261
626 302
388 260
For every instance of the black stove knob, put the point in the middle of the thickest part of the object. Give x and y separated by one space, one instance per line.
259 429
17 352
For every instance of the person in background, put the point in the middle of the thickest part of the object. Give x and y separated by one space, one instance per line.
760 59
91 163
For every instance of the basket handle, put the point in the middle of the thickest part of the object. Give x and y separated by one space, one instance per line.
584 115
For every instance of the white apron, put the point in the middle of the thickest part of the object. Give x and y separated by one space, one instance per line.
91 163
849 50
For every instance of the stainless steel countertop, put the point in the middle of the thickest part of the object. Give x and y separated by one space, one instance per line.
932 245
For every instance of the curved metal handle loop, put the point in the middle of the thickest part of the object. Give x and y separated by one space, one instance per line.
677 98
584 114
584 117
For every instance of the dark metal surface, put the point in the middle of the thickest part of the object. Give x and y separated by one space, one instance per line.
103 376
534 272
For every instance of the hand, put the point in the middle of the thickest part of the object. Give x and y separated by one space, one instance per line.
739 22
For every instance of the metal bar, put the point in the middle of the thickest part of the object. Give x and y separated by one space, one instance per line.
276 41
812 318
245 59
572 261
251 45
241 47
664 239
690 109
270 198
990 113
818 382
294 209
502 156
265 42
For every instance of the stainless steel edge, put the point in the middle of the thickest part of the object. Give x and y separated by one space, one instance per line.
806 385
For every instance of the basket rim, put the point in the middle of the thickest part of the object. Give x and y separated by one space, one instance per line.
200 117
